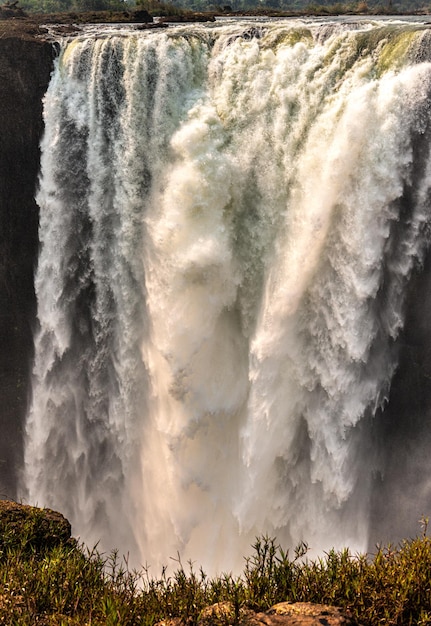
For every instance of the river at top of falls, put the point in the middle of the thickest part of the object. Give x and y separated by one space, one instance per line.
229 218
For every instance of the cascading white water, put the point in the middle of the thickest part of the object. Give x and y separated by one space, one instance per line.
229 216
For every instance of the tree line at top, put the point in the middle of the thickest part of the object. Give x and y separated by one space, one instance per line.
170 7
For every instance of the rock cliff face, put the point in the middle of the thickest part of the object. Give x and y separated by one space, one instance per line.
25 67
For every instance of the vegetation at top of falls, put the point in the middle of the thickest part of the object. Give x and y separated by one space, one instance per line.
292 7
62 583
229 7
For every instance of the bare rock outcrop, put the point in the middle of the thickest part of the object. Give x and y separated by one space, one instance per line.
303 614
282 614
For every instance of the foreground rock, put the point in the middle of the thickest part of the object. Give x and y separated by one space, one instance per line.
31 528
303 614
282 614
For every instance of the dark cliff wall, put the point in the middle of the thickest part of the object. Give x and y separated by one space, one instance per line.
25 67
402 494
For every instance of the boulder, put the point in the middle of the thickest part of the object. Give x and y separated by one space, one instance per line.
31 528
282 614
304 614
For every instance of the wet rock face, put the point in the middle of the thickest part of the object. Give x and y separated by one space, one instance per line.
25 67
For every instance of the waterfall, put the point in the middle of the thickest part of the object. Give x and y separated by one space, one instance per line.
229 218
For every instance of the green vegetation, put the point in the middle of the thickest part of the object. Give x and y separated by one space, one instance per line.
302 7
60 6
257 7
61 583
99 10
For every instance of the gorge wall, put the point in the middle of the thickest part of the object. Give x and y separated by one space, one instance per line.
404 427
25 67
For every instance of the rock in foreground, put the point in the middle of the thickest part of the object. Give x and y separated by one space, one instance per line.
282 614
31 528
304 614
